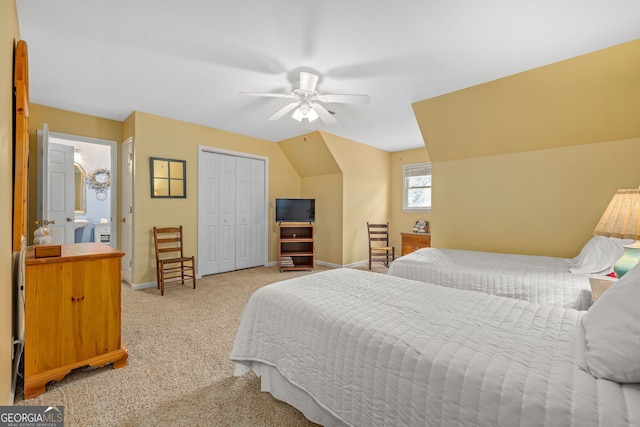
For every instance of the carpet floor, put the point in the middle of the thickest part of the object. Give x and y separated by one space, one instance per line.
179 372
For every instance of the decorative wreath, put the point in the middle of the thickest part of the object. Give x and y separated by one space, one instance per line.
99 180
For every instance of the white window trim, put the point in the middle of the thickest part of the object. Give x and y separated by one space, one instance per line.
406 168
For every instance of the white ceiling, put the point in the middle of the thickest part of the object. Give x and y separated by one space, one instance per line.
189 59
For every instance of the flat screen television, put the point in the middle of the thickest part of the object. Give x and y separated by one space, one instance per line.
295 210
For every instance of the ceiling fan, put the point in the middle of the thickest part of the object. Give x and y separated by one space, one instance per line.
307 101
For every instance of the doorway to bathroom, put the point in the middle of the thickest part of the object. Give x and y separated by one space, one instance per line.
77 187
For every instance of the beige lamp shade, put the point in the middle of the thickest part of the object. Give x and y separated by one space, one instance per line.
621 219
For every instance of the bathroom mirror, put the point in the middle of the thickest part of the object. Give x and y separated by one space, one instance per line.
81 190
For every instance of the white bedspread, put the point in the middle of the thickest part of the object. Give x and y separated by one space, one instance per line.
384 351
540 279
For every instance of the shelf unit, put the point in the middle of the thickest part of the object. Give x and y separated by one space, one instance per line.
295 246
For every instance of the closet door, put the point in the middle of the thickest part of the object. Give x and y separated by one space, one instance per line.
227 209
231 213
257 221
243 212
208 213
250 222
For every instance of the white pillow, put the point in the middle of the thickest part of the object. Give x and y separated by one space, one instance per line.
612 332
598 255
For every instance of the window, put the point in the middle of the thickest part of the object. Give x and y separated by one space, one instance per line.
417 187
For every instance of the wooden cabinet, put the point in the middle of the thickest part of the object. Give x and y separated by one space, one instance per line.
414 241
72 313
295 246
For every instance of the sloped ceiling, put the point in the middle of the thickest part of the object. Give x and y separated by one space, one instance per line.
310 155
188 60
588 99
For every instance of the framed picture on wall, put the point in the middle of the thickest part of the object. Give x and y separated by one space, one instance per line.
168 178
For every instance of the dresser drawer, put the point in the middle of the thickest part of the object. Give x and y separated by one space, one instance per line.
414 241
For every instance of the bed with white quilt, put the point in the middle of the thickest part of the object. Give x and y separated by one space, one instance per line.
355 348
540 279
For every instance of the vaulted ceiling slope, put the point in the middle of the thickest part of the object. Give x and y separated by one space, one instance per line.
584 100
189 60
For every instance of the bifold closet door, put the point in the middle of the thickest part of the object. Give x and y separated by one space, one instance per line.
231 213
208 213
250 221
227 218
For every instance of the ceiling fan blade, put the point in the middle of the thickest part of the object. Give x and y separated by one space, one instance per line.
269 94
345 99
325 115
284 110
308 81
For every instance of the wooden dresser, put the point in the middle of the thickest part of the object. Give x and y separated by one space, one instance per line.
72 313
414 241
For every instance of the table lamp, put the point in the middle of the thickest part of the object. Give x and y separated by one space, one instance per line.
621 219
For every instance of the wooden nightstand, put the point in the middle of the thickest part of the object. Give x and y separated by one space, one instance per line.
414 241
598 286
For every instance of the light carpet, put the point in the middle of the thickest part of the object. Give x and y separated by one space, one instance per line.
179 372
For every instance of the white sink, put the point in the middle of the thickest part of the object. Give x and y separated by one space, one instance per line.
79 223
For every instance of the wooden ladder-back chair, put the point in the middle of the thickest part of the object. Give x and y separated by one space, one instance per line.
171 264
379 249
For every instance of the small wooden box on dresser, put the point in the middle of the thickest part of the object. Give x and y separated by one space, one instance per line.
72 313
414 241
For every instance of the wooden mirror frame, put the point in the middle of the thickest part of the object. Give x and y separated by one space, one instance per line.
21 144
79 178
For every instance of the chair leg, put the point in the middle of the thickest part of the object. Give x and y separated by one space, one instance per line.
193 271
369 260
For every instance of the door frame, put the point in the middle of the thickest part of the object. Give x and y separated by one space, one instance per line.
215 150
114 176
128 187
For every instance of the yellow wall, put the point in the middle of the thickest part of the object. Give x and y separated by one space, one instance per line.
587 99
67 122
543 202
161 137
350 182
321 179
328 192
366 192
527 164
400 221
10 36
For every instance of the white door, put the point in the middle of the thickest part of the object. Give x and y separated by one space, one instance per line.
56 188
231 213
208 218
243 213
127 211
61 193
227 210
257 220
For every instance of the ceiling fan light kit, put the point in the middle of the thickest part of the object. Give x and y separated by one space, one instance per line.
307 101
305 111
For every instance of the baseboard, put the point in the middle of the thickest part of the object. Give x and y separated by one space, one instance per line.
352 265
139 286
